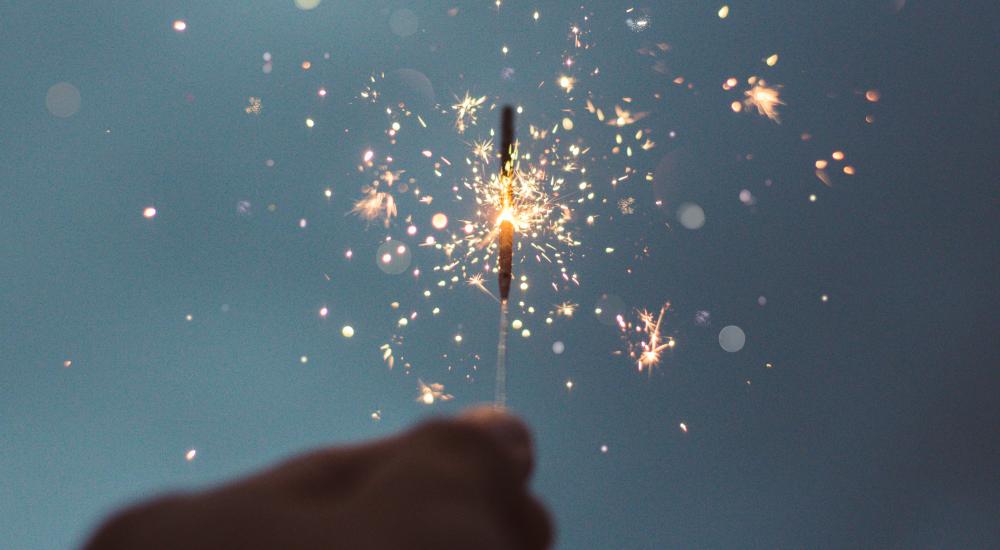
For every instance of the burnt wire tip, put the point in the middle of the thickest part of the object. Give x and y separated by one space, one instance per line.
506 138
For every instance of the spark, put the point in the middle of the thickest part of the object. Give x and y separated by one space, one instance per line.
627 205
254 106
387 356
483 150
566 309
763 98
476 281
376 204
466 111
655 343
390 177
532 197
429 393
647 351
624 117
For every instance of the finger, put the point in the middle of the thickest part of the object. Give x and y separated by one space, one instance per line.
490 440
530 524
328 471
509 433
484 444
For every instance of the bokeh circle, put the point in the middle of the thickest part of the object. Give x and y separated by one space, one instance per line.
732 338
393 257
63 100
403 22
306 4
691 215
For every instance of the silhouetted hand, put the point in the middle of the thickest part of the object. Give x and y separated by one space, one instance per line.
446 484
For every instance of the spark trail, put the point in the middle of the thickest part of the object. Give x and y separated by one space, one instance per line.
506 256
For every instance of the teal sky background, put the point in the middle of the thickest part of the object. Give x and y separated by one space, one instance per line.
875 427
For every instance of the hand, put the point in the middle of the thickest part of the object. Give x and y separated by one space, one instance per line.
446 484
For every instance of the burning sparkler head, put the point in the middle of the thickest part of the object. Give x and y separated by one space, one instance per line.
506 256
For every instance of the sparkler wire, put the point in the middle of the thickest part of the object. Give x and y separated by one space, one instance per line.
500 398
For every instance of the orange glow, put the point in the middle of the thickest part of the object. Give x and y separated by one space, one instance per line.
439 221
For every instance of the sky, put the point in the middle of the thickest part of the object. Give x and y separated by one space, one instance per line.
180 258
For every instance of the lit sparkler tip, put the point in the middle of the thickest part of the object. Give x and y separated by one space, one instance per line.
506 256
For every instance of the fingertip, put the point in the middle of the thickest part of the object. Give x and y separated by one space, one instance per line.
536 525
509 431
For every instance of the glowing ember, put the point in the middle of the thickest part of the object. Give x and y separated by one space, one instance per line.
439 221
429 393
763 98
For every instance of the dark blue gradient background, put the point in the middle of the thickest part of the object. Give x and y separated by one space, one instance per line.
877 427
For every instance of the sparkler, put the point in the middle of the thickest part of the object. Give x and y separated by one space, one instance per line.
506 201
506 256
